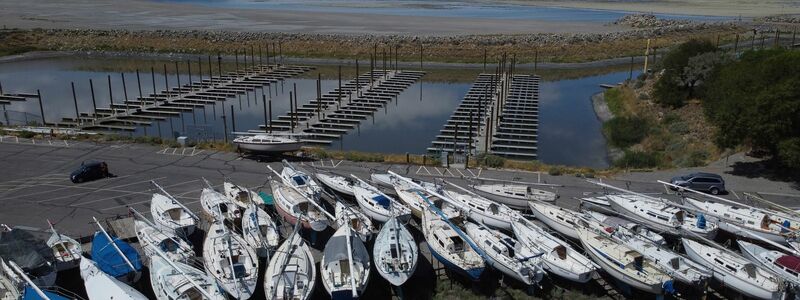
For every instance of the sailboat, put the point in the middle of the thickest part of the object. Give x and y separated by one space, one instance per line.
382 179
514 195
32 255
395 252
449 247
239 195
217 206
115 257
481 210
268 143
339 184
378 205
785 265
30 291
507 255
624 263
661 216
736 272
67 251
170 215
558 257
259 230
170 282
562 220
734 219
102 286
358 221
291 272
230 261
413 197
8 288
614 222
345 265
292 205
298 179
149 237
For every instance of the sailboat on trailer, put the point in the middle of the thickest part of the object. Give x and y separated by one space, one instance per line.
169 214
291 272
230 261
67 251
395 252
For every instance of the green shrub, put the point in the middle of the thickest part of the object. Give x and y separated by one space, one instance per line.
490 160
679 128
613 99
555 171
623 132
789 152
26 134
637 159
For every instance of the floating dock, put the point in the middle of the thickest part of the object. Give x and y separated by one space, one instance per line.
334 113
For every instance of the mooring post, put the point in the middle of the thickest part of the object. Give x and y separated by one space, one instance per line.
94 103
736 44
1 88
264 101
371 68
111 96
211 74
200 70
484 59
236 58
189 69
219 67
358 85
75 99
339 91
178 77
166 85
260 58
233 119
296 96
384 64
420 56
224 125
455 140
291 112
535 60
469 146
794 34
280 51
630 71
252 59
124 92
777 37
153 76
41 107
319 103
269 124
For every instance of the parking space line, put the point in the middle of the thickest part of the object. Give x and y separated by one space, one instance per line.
94 190
67 187
129 193
179 195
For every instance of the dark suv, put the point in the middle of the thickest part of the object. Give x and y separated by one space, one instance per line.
89 170
705 182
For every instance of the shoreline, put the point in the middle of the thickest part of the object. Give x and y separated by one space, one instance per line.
604 114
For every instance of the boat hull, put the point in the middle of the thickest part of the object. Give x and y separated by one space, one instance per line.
740 285
473 274
490 220
614 272
557 226
269 148
647 222
553 268
508 201
291 218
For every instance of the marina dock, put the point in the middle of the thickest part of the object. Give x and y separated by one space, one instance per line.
330 115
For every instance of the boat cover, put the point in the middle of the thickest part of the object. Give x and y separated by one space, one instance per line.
336 250
109 260
266 198
382 201
790 262
28 252
30 294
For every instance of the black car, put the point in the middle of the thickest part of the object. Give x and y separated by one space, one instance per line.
90 170
705 182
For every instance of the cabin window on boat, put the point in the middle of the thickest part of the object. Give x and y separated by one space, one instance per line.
299 180
790 272
458 244
561 251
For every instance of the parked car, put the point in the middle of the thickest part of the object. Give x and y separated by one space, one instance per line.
90 170
704 182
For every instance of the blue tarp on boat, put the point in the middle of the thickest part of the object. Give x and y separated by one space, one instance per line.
109 260
30 294
382 201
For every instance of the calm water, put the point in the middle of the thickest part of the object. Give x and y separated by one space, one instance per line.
464 8
570 132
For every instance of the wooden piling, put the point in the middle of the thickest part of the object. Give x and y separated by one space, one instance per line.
736 44
124 92
339 91
233 119
139 84
75 100
111 96
41 107
200 70
264 101
358 84
94 103
224 125
189 69
291 112
484 60
166 82
269 125
219 68
178 77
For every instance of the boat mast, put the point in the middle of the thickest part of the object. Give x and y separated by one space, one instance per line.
119 251
149 223
288 255
350 262
175 200
61 240
189 278
230 252
325 212
22 274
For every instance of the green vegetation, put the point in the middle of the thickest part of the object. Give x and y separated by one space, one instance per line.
623 132
637 160
755 102
614 101
684 68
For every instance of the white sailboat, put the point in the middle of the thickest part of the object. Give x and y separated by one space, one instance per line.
449 247
514 195
785 265
507 255
230 261
101 286
9 289
624 263
292 205
562 220
150 238
558 257
412 197
169 282
735 219
382 179
259 230
291 272
378 205
339 184
268 143
395 252
358 221
615 222
239 195
481 210
67 251
169 214
345 265
736 272
217 206
298 179
661 216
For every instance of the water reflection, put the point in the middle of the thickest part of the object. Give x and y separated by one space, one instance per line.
570 132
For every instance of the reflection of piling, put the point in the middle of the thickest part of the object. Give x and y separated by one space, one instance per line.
41 107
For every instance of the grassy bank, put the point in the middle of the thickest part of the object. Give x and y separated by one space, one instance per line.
445 49
653 136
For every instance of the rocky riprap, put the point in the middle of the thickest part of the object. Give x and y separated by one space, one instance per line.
795 19
650 21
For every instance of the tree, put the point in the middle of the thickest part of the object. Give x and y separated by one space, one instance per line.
756 101
680 76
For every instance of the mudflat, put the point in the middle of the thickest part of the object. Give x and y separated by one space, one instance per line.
724 8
